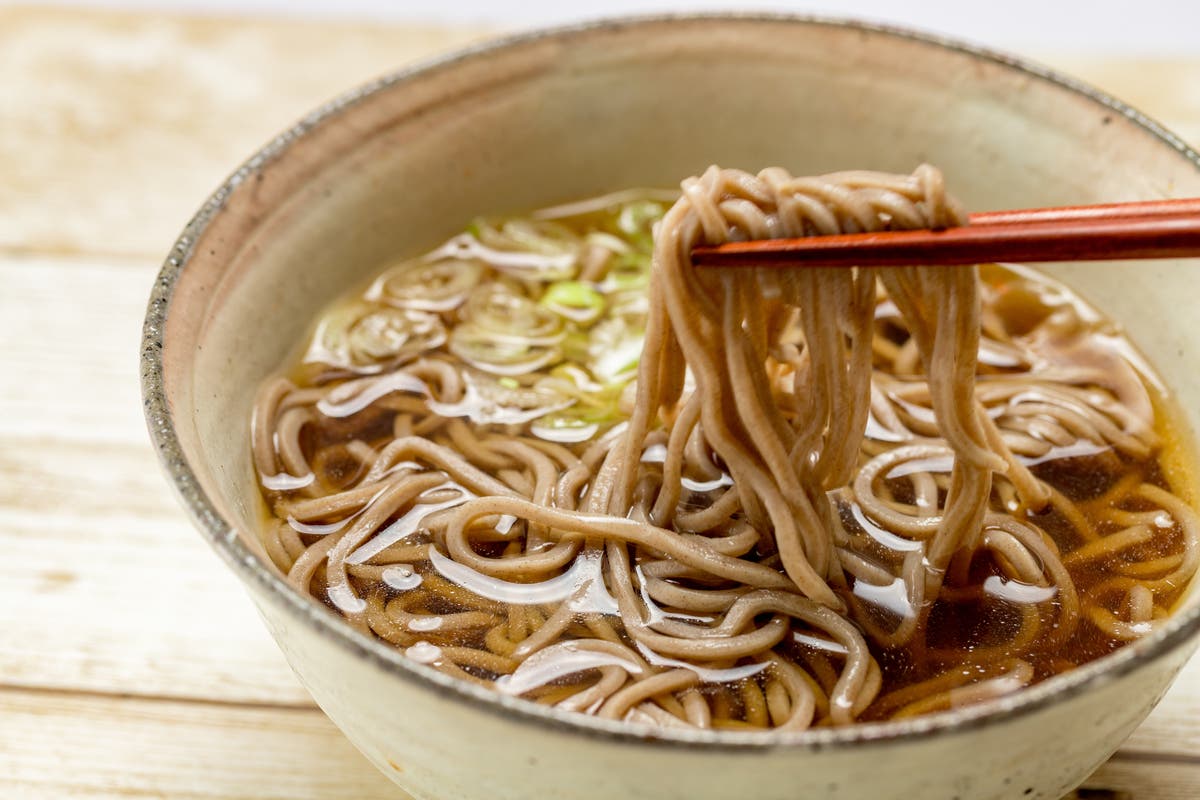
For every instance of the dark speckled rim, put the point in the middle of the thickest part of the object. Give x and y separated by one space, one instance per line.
1179 632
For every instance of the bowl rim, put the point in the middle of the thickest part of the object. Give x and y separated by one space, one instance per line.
1180 630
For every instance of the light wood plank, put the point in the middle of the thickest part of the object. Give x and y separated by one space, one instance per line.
70 336
64 747
104 585
129 604
117 125
1174 726
1138 779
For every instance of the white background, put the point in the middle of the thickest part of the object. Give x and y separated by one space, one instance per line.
1133 27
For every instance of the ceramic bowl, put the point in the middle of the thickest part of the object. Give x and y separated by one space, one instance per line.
400 164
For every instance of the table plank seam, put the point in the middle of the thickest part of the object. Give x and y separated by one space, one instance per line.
66 693
1156 757
130 258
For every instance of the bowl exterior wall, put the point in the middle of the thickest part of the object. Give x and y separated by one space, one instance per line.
438 749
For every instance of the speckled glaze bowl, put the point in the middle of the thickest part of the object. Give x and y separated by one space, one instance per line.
401 163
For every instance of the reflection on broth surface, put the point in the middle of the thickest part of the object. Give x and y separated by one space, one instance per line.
807 526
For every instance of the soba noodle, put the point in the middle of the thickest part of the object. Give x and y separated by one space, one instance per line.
751 498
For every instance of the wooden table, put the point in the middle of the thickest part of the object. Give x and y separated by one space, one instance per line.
131 662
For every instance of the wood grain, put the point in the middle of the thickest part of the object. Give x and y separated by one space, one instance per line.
116 125
139 598
55 745
131 662
1123 779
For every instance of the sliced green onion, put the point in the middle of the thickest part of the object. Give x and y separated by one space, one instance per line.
506 333
362 335
615 348
500 356
501 310
636 220
608 241
575 300
440 285
532 249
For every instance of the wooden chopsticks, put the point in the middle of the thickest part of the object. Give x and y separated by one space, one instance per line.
1153 229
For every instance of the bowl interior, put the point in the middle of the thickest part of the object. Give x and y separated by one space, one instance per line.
392 171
